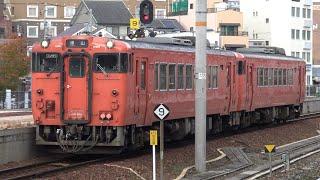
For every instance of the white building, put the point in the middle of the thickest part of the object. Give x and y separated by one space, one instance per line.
281 23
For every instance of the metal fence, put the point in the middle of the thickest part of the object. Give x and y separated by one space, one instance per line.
15 99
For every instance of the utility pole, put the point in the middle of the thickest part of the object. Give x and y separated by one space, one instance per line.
201 85
90 24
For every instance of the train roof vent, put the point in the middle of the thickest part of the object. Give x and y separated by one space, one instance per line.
263 50
165 40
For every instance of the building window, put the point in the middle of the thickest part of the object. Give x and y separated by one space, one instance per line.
1 33
172 76
293 11
297 34
292 34
69 11
298 54
298 12
309 13
303 34
267 43
293 54
32 31
229 31
304 55
267 20
51 11
32 11
163 76
308 79
160 13
308 57
52 31
191 6
66 27
308 35
304 12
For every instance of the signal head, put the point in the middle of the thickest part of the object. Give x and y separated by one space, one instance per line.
146 12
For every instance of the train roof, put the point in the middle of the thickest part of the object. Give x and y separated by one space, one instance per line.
186 48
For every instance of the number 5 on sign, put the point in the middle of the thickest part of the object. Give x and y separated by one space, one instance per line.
134 23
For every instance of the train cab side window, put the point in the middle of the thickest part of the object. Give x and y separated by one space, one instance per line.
163 76
280 76
180 77
124 62
214 76
172 76
45 62
188 77
284 77
156 76
275 77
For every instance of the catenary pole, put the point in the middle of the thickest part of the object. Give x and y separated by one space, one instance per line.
200 85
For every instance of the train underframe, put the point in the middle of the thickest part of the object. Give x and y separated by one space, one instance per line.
112 140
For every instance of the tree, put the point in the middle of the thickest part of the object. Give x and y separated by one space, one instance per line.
14 62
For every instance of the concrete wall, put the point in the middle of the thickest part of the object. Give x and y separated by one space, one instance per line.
17 144
311 106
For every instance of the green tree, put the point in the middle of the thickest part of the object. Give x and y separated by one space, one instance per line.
14 62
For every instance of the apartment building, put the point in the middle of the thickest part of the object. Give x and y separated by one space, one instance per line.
316 34
286 24
29 18
228 22
5 24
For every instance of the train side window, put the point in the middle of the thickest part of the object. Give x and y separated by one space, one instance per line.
172 76
280 76
285 77
143 75
290 77
275 77
76 67
270 76
163 76
45 62
180 77
258 70
241 67
214 76
265 76
188 77
209 77
156 76
260 76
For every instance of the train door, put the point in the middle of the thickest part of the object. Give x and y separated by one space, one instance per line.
141 87
228 86
249 89
75 91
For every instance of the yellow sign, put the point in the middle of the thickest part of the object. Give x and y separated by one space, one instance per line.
134 23
153 137
270 148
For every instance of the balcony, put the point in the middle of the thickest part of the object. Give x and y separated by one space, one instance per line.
307 45
233 33
307 2
307 24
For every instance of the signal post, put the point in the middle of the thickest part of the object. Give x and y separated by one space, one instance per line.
200 85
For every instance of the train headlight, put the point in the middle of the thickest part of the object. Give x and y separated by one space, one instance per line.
45 43
110 44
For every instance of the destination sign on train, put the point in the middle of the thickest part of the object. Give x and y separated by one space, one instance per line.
77 43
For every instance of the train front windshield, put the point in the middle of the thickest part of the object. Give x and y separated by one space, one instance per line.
45 62
111 63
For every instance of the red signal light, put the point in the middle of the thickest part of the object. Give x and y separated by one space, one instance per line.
145 17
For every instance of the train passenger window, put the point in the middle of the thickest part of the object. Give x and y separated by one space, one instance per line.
156 87
260 76
163 76
265 76
275 77
285 77
214 76
290 77
172 76
280 76
45 62
188 77
209 77
270 76
180 76
77 67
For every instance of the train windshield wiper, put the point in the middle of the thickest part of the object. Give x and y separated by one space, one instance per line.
48 74
103 71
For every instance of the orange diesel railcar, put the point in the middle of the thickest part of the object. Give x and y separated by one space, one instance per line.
97 95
